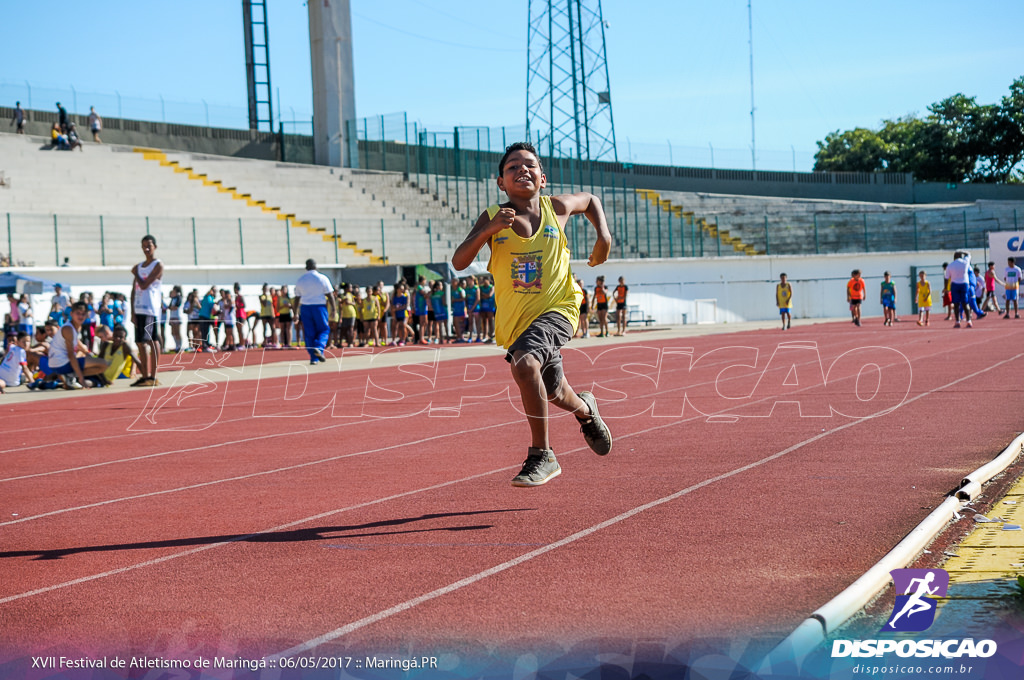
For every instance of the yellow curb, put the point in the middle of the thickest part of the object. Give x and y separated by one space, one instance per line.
991 552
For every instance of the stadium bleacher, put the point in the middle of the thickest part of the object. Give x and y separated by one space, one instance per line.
219 210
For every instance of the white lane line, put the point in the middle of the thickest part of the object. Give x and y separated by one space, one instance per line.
301 465
261 473
282 527
181 428
604 382
308 463
471 579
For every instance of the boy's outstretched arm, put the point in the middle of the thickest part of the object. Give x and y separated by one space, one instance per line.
589 205
479 235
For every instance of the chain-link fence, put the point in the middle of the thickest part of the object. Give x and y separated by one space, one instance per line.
640 228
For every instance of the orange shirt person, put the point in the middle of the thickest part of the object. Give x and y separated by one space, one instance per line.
621 291
855 293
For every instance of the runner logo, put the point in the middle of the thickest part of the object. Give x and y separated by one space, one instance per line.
914 610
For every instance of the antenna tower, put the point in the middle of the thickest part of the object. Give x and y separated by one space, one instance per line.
257 64
568 97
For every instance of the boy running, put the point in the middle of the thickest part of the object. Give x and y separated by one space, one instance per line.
538 300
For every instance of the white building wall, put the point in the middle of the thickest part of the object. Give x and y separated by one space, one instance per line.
743 288
732 289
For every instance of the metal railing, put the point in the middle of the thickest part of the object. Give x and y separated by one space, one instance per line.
640 229
31 239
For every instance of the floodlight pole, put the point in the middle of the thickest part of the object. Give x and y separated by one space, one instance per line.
753 143
334 98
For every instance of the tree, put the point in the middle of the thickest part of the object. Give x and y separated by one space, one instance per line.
906 139
857 150
1006 156
952 140
959 140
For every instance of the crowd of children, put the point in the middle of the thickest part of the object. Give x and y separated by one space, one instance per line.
42 359
966 291
424 314
429 313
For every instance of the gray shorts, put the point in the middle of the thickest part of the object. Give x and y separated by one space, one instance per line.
544 339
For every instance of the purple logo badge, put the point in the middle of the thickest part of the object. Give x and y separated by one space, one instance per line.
916 590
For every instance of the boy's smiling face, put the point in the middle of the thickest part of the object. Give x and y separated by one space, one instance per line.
522 175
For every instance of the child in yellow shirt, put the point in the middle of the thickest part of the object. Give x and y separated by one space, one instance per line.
924 299
538 301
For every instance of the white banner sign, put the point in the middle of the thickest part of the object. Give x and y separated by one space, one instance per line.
1004 244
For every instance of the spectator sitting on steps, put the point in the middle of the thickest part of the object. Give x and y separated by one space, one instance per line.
58 138
73 139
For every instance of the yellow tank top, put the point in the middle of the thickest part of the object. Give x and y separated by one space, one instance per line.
531 276
120 363
371 308
924 294
266 305
348 306
783 295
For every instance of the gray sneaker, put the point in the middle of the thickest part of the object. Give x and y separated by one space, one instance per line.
595 432
540 468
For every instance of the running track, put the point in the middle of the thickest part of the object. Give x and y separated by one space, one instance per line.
369 511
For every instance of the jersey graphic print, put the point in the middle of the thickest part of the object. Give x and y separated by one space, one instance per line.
526 271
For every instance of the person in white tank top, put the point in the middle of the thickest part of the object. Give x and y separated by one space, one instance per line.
64 348
146 305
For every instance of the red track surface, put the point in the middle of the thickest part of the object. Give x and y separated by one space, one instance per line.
272 519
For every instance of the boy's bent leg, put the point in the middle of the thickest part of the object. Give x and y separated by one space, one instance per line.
536 363
526 371
566 399
584 407
540 465
595 432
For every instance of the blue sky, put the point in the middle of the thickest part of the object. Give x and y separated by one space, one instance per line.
679 70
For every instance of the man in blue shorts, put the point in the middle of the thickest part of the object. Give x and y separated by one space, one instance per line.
959 280
314 294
